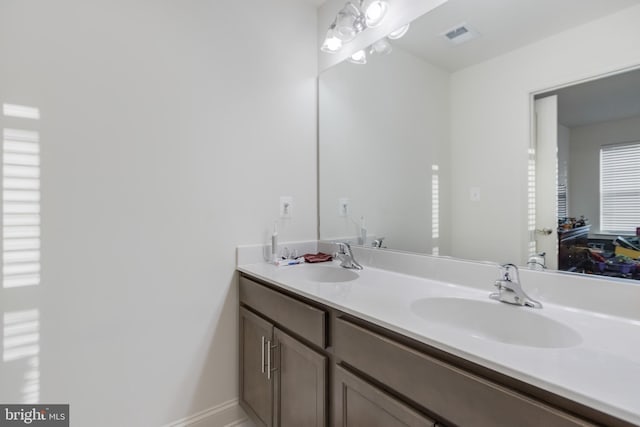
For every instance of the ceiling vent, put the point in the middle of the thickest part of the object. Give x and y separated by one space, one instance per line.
461 33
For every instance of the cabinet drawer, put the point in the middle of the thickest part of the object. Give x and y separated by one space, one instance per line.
462 398
303 319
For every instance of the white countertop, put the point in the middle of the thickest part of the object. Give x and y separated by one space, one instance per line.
602 372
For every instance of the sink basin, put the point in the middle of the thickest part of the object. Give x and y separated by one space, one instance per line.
496 321
321 273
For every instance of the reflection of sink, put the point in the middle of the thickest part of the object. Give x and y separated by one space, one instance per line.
497 322
321 273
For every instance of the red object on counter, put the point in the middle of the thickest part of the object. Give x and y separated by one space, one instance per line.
319 257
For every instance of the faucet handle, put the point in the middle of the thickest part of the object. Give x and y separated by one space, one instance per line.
345 255
509 288
377 243
505 272
343 247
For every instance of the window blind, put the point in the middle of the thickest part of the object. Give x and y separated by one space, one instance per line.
620 188
563 212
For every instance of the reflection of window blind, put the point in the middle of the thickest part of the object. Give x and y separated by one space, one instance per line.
620 187
21 242
562 201
20 197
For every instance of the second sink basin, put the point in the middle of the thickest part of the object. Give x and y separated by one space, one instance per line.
324 273
497 321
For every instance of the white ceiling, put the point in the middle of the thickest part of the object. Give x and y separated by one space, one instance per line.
503 25
611 98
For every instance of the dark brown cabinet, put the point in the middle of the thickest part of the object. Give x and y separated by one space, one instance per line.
300 383
256 388
283 382
460 397
303 364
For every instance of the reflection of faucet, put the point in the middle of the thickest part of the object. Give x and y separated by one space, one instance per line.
510 290
345 255
537 261
377 243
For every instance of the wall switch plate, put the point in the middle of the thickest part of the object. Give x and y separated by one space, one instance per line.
474 194
286 206
343 206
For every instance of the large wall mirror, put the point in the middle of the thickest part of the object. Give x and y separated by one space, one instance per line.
433 147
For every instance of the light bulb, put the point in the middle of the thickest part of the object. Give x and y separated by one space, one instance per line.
331 43
360 57
395 35
374 11
349 22
381 47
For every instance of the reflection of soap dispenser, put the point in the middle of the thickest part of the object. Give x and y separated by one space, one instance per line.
274 243
362 240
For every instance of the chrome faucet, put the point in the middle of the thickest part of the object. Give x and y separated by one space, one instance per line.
345 255
377 243
537 261
510 289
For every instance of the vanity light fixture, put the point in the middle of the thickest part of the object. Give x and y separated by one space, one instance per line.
360 57
351 20
381 47
331 43
395 35
374 11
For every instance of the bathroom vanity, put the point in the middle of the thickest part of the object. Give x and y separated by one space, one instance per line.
321 345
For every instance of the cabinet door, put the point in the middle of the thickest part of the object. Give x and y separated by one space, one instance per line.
256 388
300 399
359 404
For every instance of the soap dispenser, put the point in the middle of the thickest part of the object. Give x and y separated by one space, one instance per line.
274 243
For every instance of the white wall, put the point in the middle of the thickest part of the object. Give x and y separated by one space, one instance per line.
584 176
169 130
491 111
379 138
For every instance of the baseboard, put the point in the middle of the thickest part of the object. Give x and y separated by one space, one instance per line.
226 414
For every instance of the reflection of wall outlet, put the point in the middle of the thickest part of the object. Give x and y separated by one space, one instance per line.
286 206
474 194
343 206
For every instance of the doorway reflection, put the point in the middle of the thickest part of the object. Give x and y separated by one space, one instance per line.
597 152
